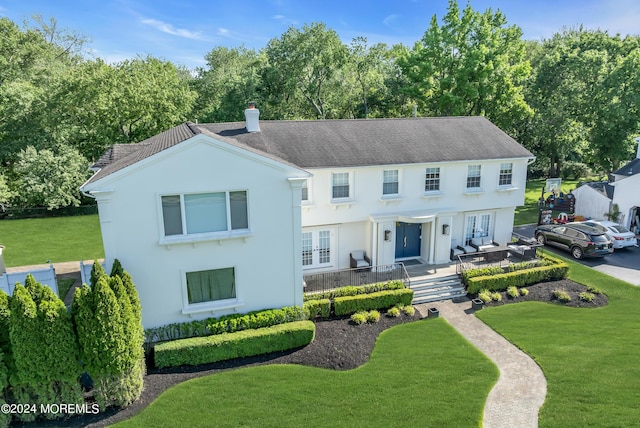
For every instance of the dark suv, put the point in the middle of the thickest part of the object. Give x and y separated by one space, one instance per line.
581 240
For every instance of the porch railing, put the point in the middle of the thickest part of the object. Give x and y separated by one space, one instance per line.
325 281
520 249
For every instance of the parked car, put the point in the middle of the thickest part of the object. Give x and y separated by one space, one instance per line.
617 233
579 239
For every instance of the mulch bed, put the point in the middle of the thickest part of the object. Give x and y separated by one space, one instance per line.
543 292
339 344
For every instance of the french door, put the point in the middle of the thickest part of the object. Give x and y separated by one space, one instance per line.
317 249
408 239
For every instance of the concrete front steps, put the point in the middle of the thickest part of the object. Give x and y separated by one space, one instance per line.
427 289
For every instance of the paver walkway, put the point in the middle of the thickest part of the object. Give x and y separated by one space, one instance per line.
516 398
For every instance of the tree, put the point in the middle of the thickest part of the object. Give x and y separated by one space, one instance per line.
584 92
300 71
98 105
472 64
230 80
50 178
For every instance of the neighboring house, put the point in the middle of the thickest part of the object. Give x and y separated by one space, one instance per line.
309 193
596 199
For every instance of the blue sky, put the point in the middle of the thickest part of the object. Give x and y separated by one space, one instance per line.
183 31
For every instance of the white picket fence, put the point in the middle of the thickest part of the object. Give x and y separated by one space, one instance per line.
46 276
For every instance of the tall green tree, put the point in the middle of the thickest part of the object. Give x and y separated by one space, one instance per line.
471 64
301 71
49 178
583 92
229 81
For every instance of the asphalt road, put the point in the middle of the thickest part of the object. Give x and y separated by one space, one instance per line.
622 264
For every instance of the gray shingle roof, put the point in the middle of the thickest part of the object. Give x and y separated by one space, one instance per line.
348 143
603 187
632 168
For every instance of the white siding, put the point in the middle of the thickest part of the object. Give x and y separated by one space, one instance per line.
266 262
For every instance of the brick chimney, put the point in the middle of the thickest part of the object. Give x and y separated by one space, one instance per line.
252 114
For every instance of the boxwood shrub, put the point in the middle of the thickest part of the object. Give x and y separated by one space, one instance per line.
348 305
317 308
246 343
354 290
520 278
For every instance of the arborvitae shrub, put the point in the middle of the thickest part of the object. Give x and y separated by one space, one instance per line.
5 418
97 271
5 344
44 351
116 269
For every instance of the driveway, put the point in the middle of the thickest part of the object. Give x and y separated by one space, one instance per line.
622 264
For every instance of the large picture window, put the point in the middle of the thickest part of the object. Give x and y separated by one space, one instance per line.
211 285
204 213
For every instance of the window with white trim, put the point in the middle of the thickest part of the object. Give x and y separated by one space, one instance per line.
211 285
506 174
432 180
198 213
390 182
340 188
478 226
473 177
305 191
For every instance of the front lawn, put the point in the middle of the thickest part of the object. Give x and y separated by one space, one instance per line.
590 357
419 374
58 239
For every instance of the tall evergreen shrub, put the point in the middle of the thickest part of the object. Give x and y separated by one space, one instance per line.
44 350
5 344
4 384
97 271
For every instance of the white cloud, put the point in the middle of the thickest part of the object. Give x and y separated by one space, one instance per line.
390 20
223 32
170 29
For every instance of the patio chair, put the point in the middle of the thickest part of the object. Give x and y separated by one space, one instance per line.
484 243
359 259
456 250
468 248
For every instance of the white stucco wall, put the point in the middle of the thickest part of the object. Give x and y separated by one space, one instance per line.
449 206
267 260
627 196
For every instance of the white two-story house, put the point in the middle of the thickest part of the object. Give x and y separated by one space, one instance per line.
223 217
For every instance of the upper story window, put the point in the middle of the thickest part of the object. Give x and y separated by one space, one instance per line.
204 213
506 174
305 191
473 177
390 183
432 180
340 185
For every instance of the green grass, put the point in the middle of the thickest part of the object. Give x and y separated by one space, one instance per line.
64 285
528 213
590 357
419 374
58 239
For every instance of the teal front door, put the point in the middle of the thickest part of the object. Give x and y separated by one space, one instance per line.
408 240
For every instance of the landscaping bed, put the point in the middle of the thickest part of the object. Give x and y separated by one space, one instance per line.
544 292
339 344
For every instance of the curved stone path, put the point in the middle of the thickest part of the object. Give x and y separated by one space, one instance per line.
516 398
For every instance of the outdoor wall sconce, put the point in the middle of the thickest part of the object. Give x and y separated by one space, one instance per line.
387 235
445 229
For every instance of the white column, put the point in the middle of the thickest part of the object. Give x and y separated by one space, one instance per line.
296 244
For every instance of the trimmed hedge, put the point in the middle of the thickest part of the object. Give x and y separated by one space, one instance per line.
224 324
348 305
519 278
203 350
354 290
317 308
